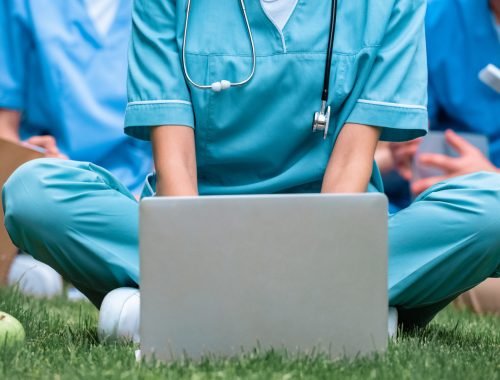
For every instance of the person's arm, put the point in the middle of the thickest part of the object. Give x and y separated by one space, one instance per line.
351 163
9 130
159 107
14 50
175 161
15 47
9 124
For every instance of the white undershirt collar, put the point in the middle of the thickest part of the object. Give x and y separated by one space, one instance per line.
102 13
279 11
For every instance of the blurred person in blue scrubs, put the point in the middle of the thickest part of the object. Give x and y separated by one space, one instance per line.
463 37
63 68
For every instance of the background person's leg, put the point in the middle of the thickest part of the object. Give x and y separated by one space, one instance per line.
483 299
77 218
445 243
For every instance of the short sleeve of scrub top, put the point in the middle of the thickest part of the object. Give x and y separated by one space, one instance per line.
152 99
395 95
14 46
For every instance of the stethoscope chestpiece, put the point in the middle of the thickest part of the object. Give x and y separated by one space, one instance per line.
321 121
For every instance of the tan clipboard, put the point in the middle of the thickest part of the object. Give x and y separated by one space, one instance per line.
12 155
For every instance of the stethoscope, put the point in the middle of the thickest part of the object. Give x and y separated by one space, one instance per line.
321 120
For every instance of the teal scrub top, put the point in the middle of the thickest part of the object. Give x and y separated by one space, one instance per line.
463 40
69 81
257 138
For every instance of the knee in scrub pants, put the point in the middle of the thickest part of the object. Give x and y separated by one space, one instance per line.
77 218
474 211
31 212
449 241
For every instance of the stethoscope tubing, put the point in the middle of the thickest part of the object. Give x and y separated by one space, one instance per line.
329 55
252 44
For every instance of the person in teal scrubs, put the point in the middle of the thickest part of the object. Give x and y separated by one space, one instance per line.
62 74
463 38
257 138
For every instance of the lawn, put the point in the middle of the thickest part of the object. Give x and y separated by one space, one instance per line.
61 344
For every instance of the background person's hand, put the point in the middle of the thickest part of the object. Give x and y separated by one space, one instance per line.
470 160
402 154
48 143
383 157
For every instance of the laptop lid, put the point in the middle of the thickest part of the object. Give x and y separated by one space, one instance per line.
298 272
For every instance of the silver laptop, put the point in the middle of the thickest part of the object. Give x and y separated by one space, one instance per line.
302 273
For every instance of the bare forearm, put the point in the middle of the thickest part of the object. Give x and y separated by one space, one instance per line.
351 163
175 161
9 124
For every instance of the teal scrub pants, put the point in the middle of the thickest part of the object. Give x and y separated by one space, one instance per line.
77 218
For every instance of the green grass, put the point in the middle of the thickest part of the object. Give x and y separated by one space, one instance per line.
62 344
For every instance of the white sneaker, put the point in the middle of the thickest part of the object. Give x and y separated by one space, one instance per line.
119 316
393 323
34 278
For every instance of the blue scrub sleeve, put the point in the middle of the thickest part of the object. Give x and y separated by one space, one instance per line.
442 22
14 47
395 95
157 91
